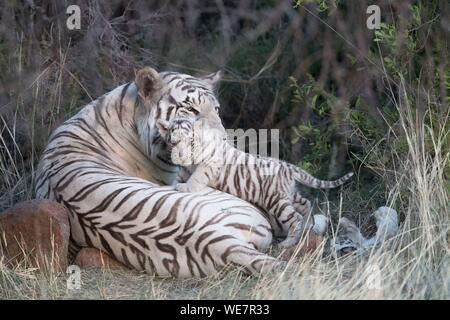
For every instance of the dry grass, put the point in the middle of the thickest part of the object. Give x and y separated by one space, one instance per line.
413 265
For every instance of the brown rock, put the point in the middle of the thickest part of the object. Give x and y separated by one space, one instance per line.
35 233
92 257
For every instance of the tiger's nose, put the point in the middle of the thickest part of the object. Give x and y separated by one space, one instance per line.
182 154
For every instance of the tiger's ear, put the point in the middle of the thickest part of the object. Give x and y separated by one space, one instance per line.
163 126
148 83
212 79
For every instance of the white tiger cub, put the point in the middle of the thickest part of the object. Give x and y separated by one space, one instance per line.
200 147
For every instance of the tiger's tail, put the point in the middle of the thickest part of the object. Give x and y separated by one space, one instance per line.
307 179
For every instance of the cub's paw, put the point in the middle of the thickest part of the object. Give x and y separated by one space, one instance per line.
186 187
183 187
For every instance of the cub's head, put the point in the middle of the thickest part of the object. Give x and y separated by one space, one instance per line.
192 140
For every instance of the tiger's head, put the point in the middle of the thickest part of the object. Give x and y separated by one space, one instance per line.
176 94
167 95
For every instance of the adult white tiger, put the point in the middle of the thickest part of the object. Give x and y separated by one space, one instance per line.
106 165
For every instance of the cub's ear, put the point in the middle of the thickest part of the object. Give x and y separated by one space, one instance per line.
212 79
163 126
148 84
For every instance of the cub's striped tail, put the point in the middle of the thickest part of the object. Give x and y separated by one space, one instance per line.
305 178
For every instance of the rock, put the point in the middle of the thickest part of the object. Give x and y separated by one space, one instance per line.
92 257
35 233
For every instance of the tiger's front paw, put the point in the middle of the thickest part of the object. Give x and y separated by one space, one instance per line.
288 243
280 266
